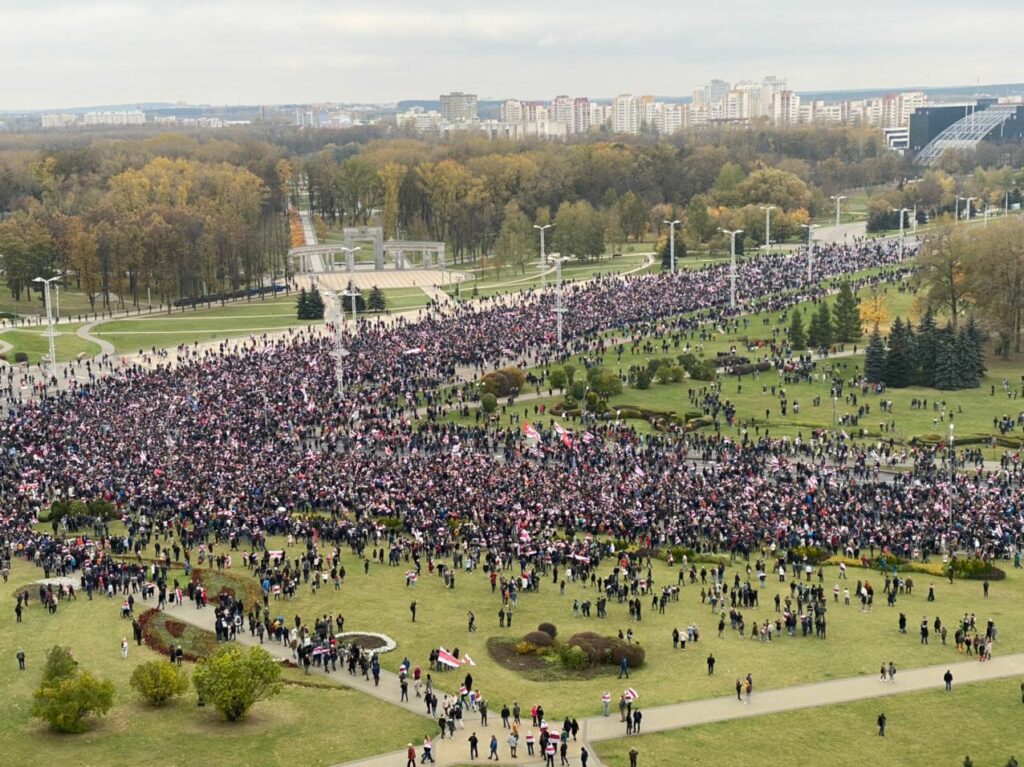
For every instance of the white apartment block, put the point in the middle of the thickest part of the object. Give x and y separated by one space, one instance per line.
123 117
625 116
512 111
419 120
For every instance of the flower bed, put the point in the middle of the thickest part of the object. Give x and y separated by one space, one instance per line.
163 632
367 640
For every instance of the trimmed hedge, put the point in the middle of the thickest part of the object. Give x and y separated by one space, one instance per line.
538 639
975 569
602 650
549 629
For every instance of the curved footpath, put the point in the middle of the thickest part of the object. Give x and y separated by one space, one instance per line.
656 719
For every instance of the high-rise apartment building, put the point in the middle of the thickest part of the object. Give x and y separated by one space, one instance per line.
581 115
625 117
512 111
458 107
563 110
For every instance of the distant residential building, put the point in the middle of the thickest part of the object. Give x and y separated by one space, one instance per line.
563 110
458 107
122 117
582 115
419 120
512 111
785 108
59 120
625 117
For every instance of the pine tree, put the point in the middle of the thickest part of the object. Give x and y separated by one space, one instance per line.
899 359
302 305
376 301
926 351
946 371
967 373
874 358
797 337
820 335
977 350
847 315
315 305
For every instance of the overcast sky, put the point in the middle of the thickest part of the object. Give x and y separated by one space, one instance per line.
60 53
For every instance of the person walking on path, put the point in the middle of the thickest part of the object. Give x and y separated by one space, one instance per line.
428 749
584 755
739 689
606 700
494 749
513 741
637 716
881 724
21 659
549 753
410 755
474 743
892 672
948 679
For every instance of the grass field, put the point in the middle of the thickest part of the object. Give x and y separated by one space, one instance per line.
928 728
380 601
36 344
319 726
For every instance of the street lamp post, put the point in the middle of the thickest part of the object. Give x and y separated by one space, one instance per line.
810 250
353 294
903 212
768 226
672 243
839 206
350 258
952 457
558 261
339 317
732 264
49 320
543 257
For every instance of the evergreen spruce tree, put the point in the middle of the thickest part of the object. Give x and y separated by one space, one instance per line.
315 305
926 350
874 358
797 337
847 315
899 359
302 305
967 372
376 301
946 370
977 351
820 335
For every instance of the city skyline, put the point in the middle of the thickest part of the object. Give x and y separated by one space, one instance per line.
97 53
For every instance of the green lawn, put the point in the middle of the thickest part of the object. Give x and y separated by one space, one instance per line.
380 601
927 728
320 726
33 342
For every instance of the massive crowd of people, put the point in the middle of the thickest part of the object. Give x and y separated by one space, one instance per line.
226 445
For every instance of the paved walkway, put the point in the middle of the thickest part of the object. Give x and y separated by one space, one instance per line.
657 719
86 334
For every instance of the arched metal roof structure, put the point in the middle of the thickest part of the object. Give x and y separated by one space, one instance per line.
966 133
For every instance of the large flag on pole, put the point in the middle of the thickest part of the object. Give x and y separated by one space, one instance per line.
631 694
445 657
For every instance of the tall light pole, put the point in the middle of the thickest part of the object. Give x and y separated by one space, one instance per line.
353 294
350 258
543 257
672 243
339 318
732 264
952 457
839 205
913 221
903 212
810 250
558 261
49 320
767 226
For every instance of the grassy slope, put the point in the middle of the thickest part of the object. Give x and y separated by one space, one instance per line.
303 726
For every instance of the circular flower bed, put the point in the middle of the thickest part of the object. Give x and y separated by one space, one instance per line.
367 640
